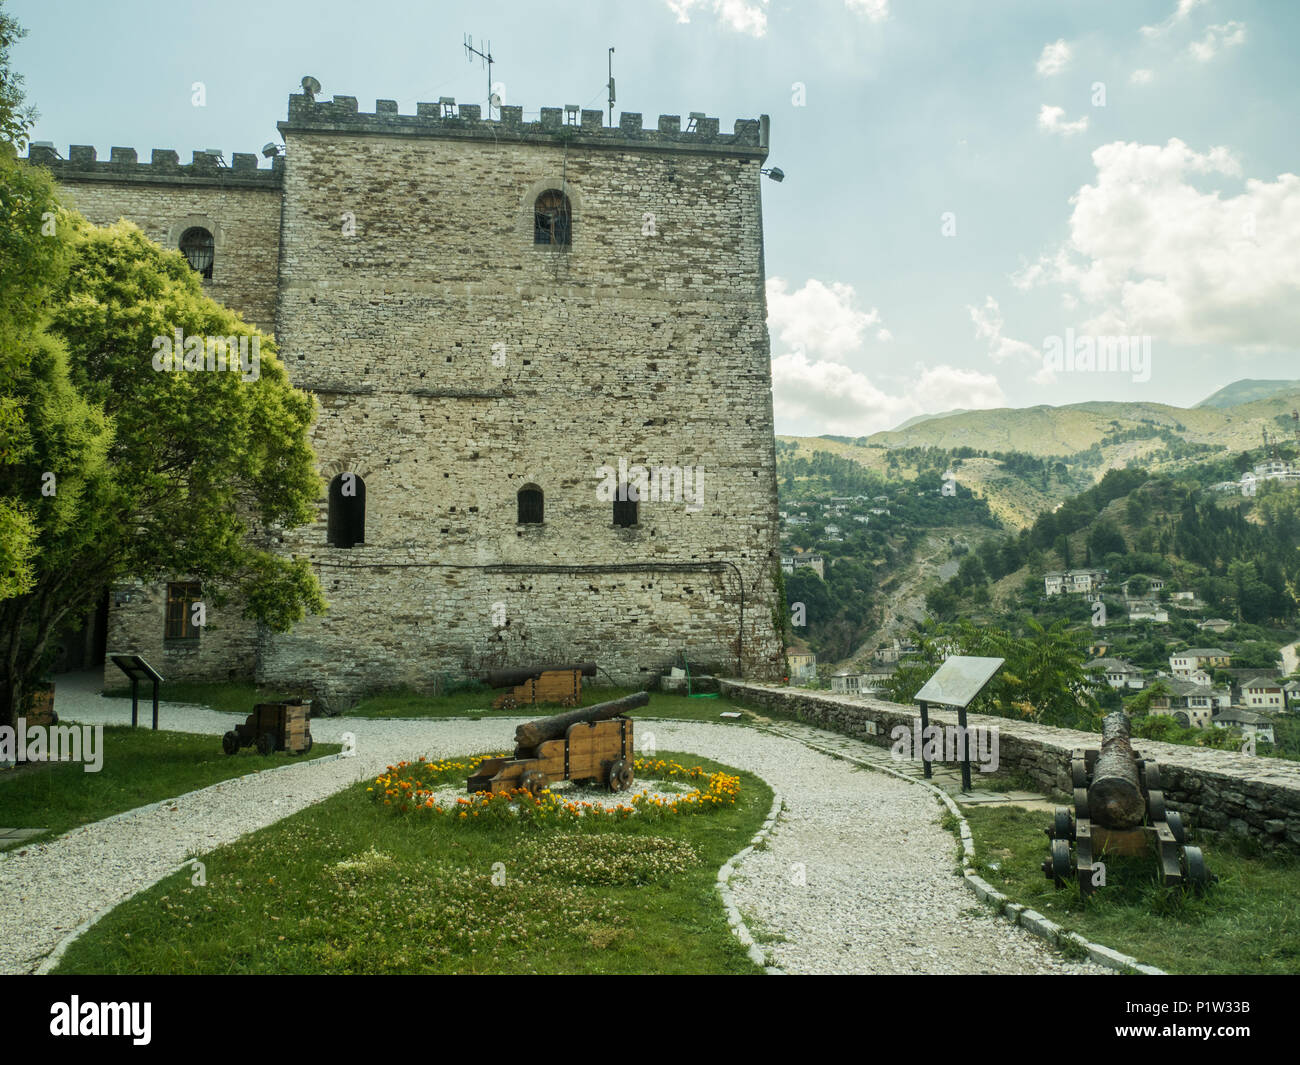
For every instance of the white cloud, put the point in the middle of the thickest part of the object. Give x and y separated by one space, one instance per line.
1150 253
1180 13
1049 119
743 16
812 397
988 327
1227 35
815 386
818 318
875 10
1054 59
1141 77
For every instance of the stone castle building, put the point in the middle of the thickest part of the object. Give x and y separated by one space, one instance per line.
493 315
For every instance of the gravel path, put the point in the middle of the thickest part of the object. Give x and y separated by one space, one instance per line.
857 876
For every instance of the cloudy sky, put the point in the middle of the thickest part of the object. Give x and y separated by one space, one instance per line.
969 185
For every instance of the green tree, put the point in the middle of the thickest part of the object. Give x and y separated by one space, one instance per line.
154 473
15 117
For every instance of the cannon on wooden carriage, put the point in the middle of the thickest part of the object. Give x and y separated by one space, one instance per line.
540 684
273 727
1119 808
590 744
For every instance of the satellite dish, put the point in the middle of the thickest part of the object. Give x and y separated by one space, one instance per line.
495 100
310 85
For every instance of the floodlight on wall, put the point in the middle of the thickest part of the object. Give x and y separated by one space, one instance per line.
216 155
775 173
572 113
310 85
270 149
693 121
447 104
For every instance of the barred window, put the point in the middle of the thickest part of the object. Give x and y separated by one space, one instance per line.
197 246
530 505
552 220
181 597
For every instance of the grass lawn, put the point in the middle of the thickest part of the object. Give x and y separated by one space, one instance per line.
348 886
1247 923
140 767
235 697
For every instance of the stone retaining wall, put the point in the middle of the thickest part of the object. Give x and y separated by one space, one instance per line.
1215 791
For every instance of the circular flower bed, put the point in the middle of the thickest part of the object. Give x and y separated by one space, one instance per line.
421 787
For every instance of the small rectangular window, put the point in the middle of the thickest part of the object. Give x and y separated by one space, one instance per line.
181 597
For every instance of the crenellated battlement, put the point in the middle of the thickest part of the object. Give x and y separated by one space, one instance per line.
556 125
206 168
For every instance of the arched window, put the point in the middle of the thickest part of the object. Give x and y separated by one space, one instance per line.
1182 719
625 511
197 246
347 514
552 219
530 505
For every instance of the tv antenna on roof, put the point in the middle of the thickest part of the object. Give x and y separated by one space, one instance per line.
486 58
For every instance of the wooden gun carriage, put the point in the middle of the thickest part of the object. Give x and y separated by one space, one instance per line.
1115 792
540 684
593 743
273 727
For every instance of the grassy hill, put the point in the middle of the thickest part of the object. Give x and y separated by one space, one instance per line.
1077 444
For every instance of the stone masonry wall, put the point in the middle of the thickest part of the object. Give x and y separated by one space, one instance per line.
1219 791
241 208
457 361
226 648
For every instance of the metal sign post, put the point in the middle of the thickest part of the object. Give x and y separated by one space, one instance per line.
954 685
137 669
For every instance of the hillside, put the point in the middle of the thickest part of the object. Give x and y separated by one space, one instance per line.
1075 445
1247 391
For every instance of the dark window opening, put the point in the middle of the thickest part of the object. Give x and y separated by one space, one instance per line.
347 511
625 511
181 597
197 246
552 220
530 505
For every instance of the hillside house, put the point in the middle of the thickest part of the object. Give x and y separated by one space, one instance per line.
1249 722
1262 693
803 665
1147 611
846 683
1073 582
1218 626
1191 705
1184 662
1119 674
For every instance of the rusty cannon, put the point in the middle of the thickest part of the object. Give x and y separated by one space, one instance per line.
1119 809
590 744
540 684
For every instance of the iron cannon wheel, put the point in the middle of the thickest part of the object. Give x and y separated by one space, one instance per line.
1060 862
1078 773
1156 806
230 743
1175 822
533 782
620 775
266 743
1062 826
1081 804
1194 868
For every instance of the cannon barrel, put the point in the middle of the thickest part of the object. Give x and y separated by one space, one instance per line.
1115 796
508 678
531 733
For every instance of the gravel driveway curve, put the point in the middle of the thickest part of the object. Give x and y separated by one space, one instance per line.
856 877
